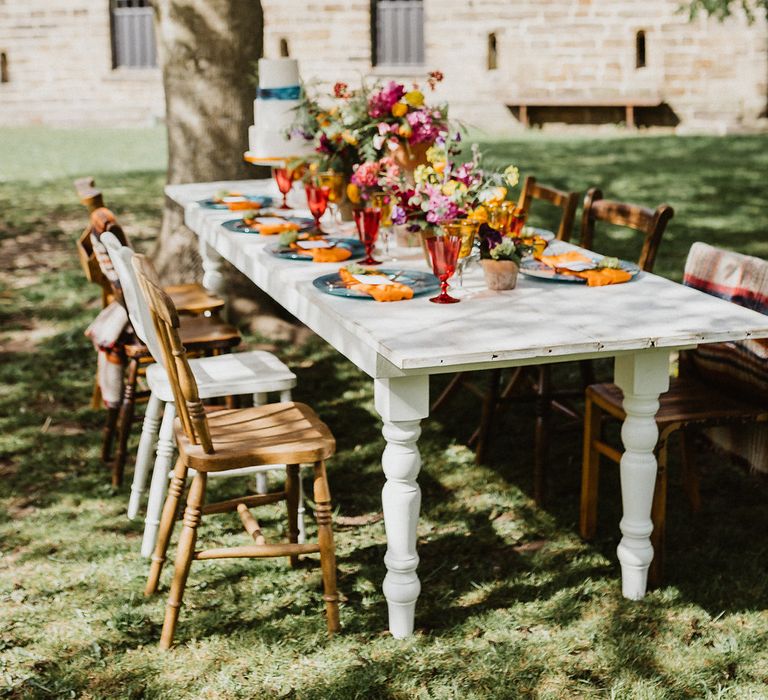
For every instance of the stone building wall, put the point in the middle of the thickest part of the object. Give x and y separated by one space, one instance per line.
713 76
59 61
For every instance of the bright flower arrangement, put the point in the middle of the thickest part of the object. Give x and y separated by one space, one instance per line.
444 188
369 123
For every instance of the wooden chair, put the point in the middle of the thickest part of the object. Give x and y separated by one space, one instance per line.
257 372
648 223
289 433
565 201
202 335
191 298
698 400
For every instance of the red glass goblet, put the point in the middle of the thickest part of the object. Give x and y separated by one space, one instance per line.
284 179
317 198
444 252
367 222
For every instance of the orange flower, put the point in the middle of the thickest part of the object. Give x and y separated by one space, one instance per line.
399 109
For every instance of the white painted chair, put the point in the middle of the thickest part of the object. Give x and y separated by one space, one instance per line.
254 372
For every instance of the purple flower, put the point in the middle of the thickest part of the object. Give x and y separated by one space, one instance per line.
398 215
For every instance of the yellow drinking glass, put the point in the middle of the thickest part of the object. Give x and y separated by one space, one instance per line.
380 200
498 217
335 183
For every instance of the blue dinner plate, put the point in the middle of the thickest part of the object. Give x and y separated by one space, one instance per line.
536 268
351 244
420 282
258 200
239 226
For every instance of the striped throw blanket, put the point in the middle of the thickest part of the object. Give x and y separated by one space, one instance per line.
738 367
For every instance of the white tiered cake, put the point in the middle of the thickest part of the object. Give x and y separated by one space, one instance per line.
274 110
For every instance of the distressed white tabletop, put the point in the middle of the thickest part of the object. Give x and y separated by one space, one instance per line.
400 344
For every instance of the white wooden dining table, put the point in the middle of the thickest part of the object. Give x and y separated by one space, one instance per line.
399 345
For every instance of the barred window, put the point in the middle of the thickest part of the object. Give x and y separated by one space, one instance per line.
133 34
397 32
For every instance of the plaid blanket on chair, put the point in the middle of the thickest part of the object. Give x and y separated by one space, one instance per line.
738 367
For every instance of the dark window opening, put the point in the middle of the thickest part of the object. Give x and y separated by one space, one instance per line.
133 34
640 49
397 32
284 50
493 56
4 76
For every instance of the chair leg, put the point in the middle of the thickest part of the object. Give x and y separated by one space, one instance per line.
262 487
144 453
690 471
170 509
590 470
541 437
300 511
292 504
157 489
185 552
327 551
488 411
659 517
110 427
125 421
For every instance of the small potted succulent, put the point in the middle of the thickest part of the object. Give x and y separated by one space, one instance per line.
500 257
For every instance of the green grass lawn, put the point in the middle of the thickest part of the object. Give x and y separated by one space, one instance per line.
515 605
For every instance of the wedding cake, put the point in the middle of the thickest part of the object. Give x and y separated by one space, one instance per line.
274 110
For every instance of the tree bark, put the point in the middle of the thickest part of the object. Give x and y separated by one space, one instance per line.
208 50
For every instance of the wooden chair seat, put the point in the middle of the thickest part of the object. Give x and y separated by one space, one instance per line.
687 401
194 299
279 433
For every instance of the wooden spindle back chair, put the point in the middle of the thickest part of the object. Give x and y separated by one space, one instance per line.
567 201
651 223
288 433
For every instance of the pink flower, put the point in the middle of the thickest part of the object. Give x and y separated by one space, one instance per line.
424 129
380 104
366 175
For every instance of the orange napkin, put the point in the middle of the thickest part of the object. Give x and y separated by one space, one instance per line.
272 229
379 292
595 278
247 204
328 255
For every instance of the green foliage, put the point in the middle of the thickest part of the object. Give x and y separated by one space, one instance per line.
725 8
514 604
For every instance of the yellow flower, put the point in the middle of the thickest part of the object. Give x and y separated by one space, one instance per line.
415 98
405 131
353 193
493 195
399 109
512 175
479 214
449 187
422 173
349 138
439 167
436 155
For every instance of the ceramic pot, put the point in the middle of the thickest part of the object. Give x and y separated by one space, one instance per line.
500 274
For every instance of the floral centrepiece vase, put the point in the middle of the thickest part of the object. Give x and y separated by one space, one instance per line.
500 274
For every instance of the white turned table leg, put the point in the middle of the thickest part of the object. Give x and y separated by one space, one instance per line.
402 402
642 376
213 279
144 454
159 485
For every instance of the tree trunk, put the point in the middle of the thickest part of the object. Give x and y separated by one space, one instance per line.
208 50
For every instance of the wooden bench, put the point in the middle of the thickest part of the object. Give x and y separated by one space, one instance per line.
629 103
